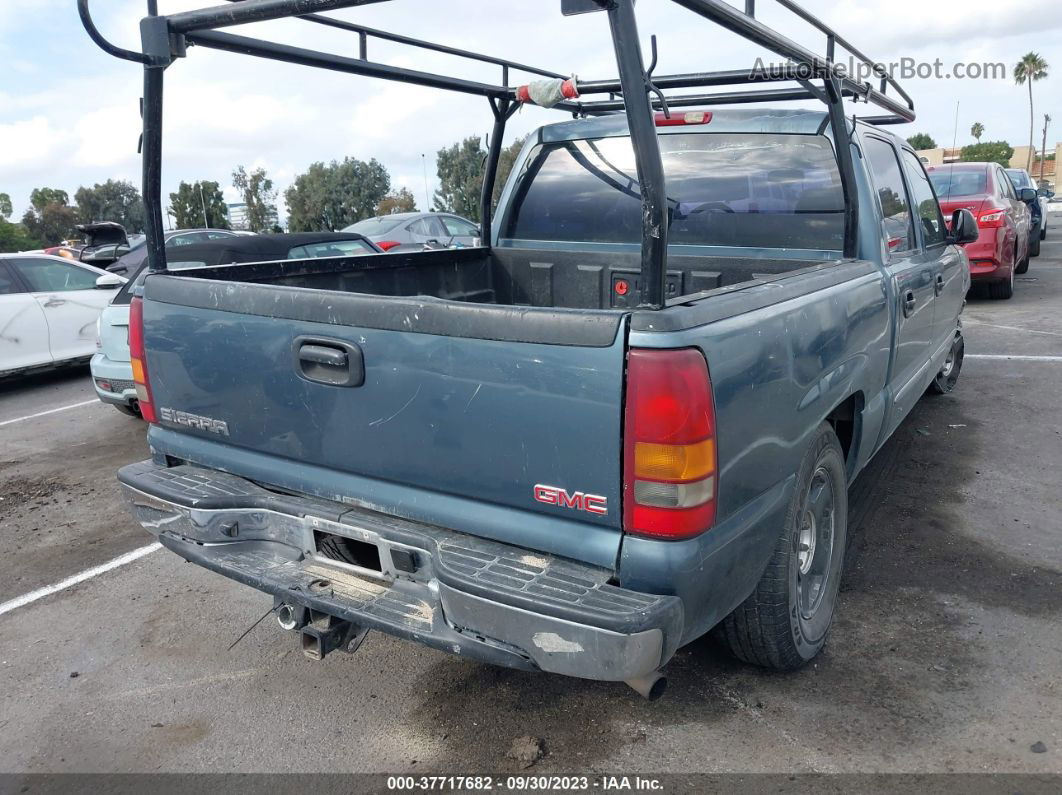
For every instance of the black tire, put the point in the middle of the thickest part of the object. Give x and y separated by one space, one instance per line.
1043 233
1034 251
1003 290
781 625
948 376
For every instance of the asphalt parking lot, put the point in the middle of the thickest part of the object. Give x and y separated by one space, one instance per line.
946 655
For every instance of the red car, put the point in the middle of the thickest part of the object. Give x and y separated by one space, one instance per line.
1003 218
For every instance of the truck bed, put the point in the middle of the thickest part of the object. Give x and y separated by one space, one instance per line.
506 276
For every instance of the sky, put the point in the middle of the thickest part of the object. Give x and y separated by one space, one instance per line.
69 113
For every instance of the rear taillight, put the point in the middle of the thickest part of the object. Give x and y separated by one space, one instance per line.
682 119
993 219
387 245
138 360
669 482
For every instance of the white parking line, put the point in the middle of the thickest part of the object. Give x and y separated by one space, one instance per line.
49 411
87 574
1010 358
974 322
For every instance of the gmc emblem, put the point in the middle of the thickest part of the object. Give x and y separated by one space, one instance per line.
591 503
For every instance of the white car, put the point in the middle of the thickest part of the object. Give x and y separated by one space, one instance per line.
48 310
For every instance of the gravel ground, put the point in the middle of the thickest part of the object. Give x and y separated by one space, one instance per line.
945 655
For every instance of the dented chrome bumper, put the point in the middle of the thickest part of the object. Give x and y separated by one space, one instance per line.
489 601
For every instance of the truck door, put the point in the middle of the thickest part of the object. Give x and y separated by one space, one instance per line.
950 272
912 279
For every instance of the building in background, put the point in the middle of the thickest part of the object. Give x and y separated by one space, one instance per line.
942 157
238 217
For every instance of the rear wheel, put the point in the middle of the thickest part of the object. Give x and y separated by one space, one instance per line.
1004 289
784 623
1034 251
949 373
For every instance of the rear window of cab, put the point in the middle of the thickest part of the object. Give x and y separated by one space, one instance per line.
762 190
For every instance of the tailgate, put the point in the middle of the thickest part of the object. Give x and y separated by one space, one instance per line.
521 430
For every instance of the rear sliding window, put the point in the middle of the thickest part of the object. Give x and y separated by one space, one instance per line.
764 190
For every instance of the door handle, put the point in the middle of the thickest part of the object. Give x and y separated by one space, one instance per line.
939 286
321 354
329 362
54 302
909 303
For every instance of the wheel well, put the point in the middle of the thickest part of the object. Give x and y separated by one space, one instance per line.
845 420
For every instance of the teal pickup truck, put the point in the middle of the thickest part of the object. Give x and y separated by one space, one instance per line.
629 417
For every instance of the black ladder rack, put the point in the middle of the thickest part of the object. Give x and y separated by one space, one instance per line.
637 91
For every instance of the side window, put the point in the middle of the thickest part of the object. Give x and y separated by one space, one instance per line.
420 228
925 201
888 179
1007 185
217 235
185 240
458 227
429 227
48 276
8 285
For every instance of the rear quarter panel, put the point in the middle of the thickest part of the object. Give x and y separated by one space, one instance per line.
777 372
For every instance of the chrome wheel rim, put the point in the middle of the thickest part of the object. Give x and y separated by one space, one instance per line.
949 363
815 542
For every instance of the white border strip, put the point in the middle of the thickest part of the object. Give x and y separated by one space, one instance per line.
1005 357
87 574
49 411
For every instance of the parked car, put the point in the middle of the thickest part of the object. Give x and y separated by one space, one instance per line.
112 372
417 231
1003 217
48 310
1021 179
104 243
130 262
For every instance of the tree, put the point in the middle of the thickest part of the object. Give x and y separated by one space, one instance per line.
331 197
51 224
259 196
977 131
989 152
5 206
49 220
14 237
401 201
921 141
461 168
40 197
1030 69
199 204
114 200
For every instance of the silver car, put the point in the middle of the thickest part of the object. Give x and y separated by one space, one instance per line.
418 231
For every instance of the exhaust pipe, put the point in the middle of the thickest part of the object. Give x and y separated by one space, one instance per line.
286 617
651 686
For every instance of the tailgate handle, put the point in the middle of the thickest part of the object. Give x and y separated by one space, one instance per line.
330 362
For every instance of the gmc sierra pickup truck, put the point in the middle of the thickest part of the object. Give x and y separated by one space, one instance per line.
511 452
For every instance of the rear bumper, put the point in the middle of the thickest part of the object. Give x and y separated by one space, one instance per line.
488 601
116 375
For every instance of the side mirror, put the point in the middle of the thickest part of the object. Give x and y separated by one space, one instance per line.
109 281
963 228
1027 195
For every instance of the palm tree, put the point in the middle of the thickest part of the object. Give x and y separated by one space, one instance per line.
977 131
1030 69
